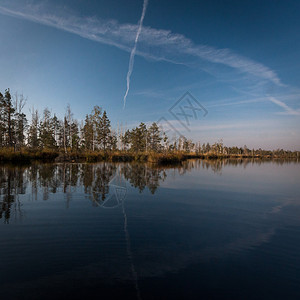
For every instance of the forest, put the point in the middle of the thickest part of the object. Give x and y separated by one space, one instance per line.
45 136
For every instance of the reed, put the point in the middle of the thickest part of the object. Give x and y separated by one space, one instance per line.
49 155
8 155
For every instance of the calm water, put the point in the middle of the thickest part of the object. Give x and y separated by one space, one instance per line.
204 230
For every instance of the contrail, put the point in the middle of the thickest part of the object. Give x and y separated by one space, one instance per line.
132 54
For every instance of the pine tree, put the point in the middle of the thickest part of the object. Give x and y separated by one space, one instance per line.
2 123
69 126
75 140
142 132
207 148
21 125
33 137
20 121
154 138
104 132
188 145
112 141
87 133
165 140
46 131
125 140
55 124
138 138
96 126
7 118
64 134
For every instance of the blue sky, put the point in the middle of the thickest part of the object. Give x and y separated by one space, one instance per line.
239 59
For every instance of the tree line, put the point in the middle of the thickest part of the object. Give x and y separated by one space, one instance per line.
94 133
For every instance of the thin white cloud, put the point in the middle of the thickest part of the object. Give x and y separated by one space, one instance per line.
287 110
155 44
133 51
197 126
236 102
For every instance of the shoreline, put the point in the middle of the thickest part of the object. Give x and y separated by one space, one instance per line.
119 156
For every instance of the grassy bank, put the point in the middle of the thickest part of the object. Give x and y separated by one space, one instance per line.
27 156
117 156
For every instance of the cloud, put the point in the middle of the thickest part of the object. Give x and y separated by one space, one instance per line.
156 44
210 125
133 51
236 102
287 110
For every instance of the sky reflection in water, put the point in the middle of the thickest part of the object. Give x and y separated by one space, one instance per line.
201 229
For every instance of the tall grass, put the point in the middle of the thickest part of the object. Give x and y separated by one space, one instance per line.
26 155
9 155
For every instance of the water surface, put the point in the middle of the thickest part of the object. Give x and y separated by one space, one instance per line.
206 229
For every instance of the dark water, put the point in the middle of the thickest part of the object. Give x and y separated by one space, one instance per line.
204 230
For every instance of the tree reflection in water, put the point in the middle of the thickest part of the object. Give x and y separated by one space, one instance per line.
143 175
99 181
13 182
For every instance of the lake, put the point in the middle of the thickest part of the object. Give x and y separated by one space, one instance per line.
218 229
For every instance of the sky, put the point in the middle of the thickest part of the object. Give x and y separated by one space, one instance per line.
208 70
